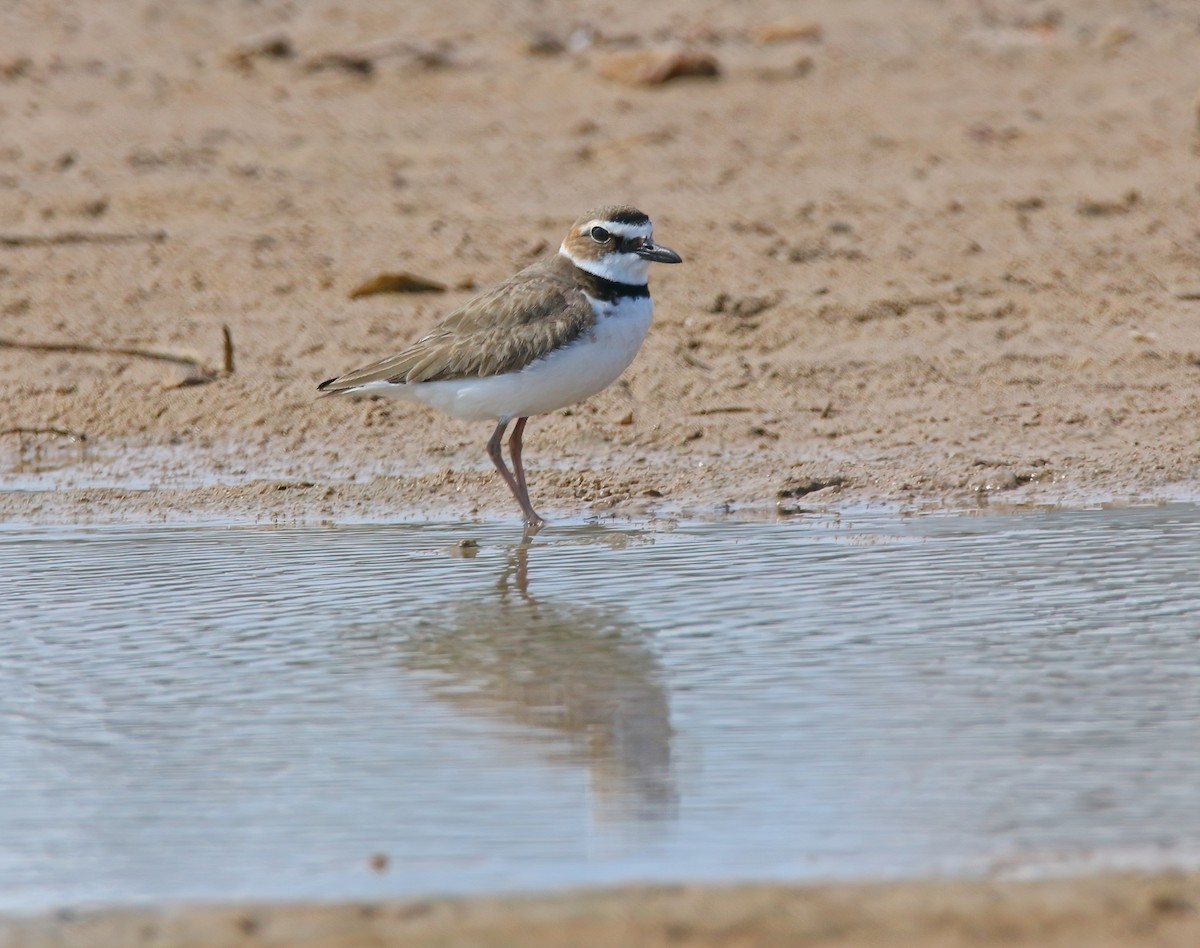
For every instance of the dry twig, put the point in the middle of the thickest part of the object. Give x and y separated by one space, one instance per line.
82 237
196 371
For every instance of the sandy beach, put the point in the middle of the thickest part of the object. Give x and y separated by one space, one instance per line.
936 255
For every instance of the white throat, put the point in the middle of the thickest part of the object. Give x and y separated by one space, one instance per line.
618 267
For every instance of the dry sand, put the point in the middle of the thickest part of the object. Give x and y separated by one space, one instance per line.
937 253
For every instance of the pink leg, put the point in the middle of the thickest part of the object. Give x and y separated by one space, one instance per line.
517 487
514 449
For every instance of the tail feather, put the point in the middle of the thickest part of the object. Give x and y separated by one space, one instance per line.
340 385
353 384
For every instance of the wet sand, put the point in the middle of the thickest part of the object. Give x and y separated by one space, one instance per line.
1101 913
935 255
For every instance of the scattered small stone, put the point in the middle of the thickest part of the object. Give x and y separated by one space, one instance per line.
799 68
379 863
987 134
1168 903
276 46
397 283
357 63
466 548
626 420
544 43
1005 478
783 31
694 362
881 309
653 67
581 39
652 492
431 57
1043 21
743 306
809 485
1186 292
364 60
1113 37
249 925
997 481
96 208
1095 208
805 252
17 68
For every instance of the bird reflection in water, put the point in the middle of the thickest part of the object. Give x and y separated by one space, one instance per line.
563 670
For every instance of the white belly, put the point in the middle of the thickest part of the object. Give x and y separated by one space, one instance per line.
566 376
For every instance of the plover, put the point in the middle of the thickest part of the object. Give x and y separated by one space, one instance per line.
550 336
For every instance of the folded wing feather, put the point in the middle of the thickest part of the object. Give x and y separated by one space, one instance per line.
501 331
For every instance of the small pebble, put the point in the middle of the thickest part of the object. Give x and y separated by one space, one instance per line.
789 31
1113 37
653 67
544 44
277 46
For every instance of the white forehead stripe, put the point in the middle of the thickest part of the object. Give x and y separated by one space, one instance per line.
622 230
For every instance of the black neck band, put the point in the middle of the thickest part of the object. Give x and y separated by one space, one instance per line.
599 288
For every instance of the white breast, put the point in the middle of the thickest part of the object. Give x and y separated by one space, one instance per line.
566 376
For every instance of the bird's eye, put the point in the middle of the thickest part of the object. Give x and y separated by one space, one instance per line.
600 235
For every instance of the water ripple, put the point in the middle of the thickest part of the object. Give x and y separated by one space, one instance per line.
217 713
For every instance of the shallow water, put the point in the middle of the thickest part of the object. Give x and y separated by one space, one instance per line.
367 711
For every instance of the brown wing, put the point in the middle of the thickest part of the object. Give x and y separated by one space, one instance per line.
503 330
